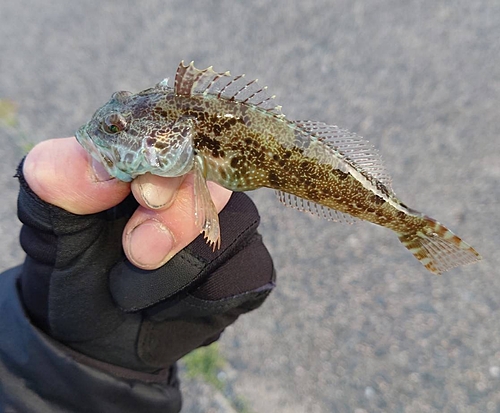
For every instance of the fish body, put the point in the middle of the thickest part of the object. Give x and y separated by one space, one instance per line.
227 130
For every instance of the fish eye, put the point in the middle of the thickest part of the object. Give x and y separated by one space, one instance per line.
114 123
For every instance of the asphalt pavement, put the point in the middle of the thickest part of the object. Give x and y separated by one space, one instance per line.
356 324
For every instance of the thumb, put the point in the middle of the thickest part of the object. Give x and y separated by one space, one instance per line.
59 171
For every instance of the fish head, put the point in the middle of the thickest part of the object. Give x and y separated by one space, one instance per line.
130 136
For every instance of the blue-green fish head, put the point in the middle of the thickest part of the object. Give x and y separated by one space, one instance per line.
129 138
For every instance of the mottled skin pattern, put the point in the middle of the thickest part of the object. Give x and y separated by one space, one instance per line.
244 146
243 149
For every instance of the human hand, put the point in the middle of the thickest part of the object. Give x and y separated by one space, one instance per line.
60 172
118 272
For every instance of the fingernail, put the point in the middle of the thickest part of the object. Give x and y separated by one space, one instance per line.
149 244
99 171
155 196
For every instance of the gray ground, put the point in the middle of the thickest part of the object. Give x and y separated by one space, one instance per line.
356 324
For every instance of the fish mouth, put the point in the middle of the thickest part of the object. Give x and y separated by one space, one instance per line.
88 144
101 154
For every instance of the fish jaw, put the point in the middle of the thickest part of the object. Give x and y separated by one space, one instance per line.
101 154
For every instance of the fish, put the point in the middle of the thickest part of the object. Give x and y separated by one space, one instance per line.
229 130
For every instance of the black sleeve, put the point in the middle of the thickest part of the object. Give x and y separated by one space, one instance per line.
40 375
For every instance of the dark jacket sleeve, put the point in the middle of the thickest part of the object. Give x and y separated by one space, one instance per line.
37 374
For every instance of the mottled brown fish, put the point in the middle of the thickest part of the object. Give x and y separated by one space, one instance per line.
227 130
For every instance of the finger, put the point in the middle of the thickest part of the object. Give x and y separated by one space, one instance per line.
60 172
153 236
155 192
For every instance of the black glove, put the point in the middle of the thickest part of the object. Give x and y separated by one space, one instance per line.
80 289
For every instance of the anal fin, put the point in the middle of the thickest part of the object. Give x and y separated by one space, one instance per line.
321 211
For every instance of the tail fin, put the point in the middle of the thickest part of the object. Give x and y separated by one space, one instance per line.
439 249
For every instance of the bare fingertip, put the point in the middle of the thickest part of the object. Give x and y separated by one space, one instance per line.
148 245
156 192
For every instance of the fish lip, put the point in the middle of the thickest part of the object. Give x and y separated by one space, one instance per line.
84 139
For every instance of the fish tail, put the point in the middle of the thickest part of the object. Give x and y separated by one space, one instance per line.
437 248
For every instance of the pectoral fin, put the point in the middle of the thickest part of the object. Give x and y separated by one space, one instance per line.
207 218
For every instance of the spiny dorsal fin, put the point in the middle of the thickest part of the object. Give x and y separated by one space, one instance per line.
190 81
352 147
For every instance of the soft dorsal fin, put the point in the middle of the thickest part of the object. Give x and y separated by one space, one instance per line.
191 81
352 147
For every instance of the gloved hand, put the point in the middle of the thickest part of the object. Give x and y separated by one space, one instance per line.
124 277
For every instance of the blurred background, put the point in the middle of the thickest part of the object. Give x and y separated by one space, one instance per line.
356 324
